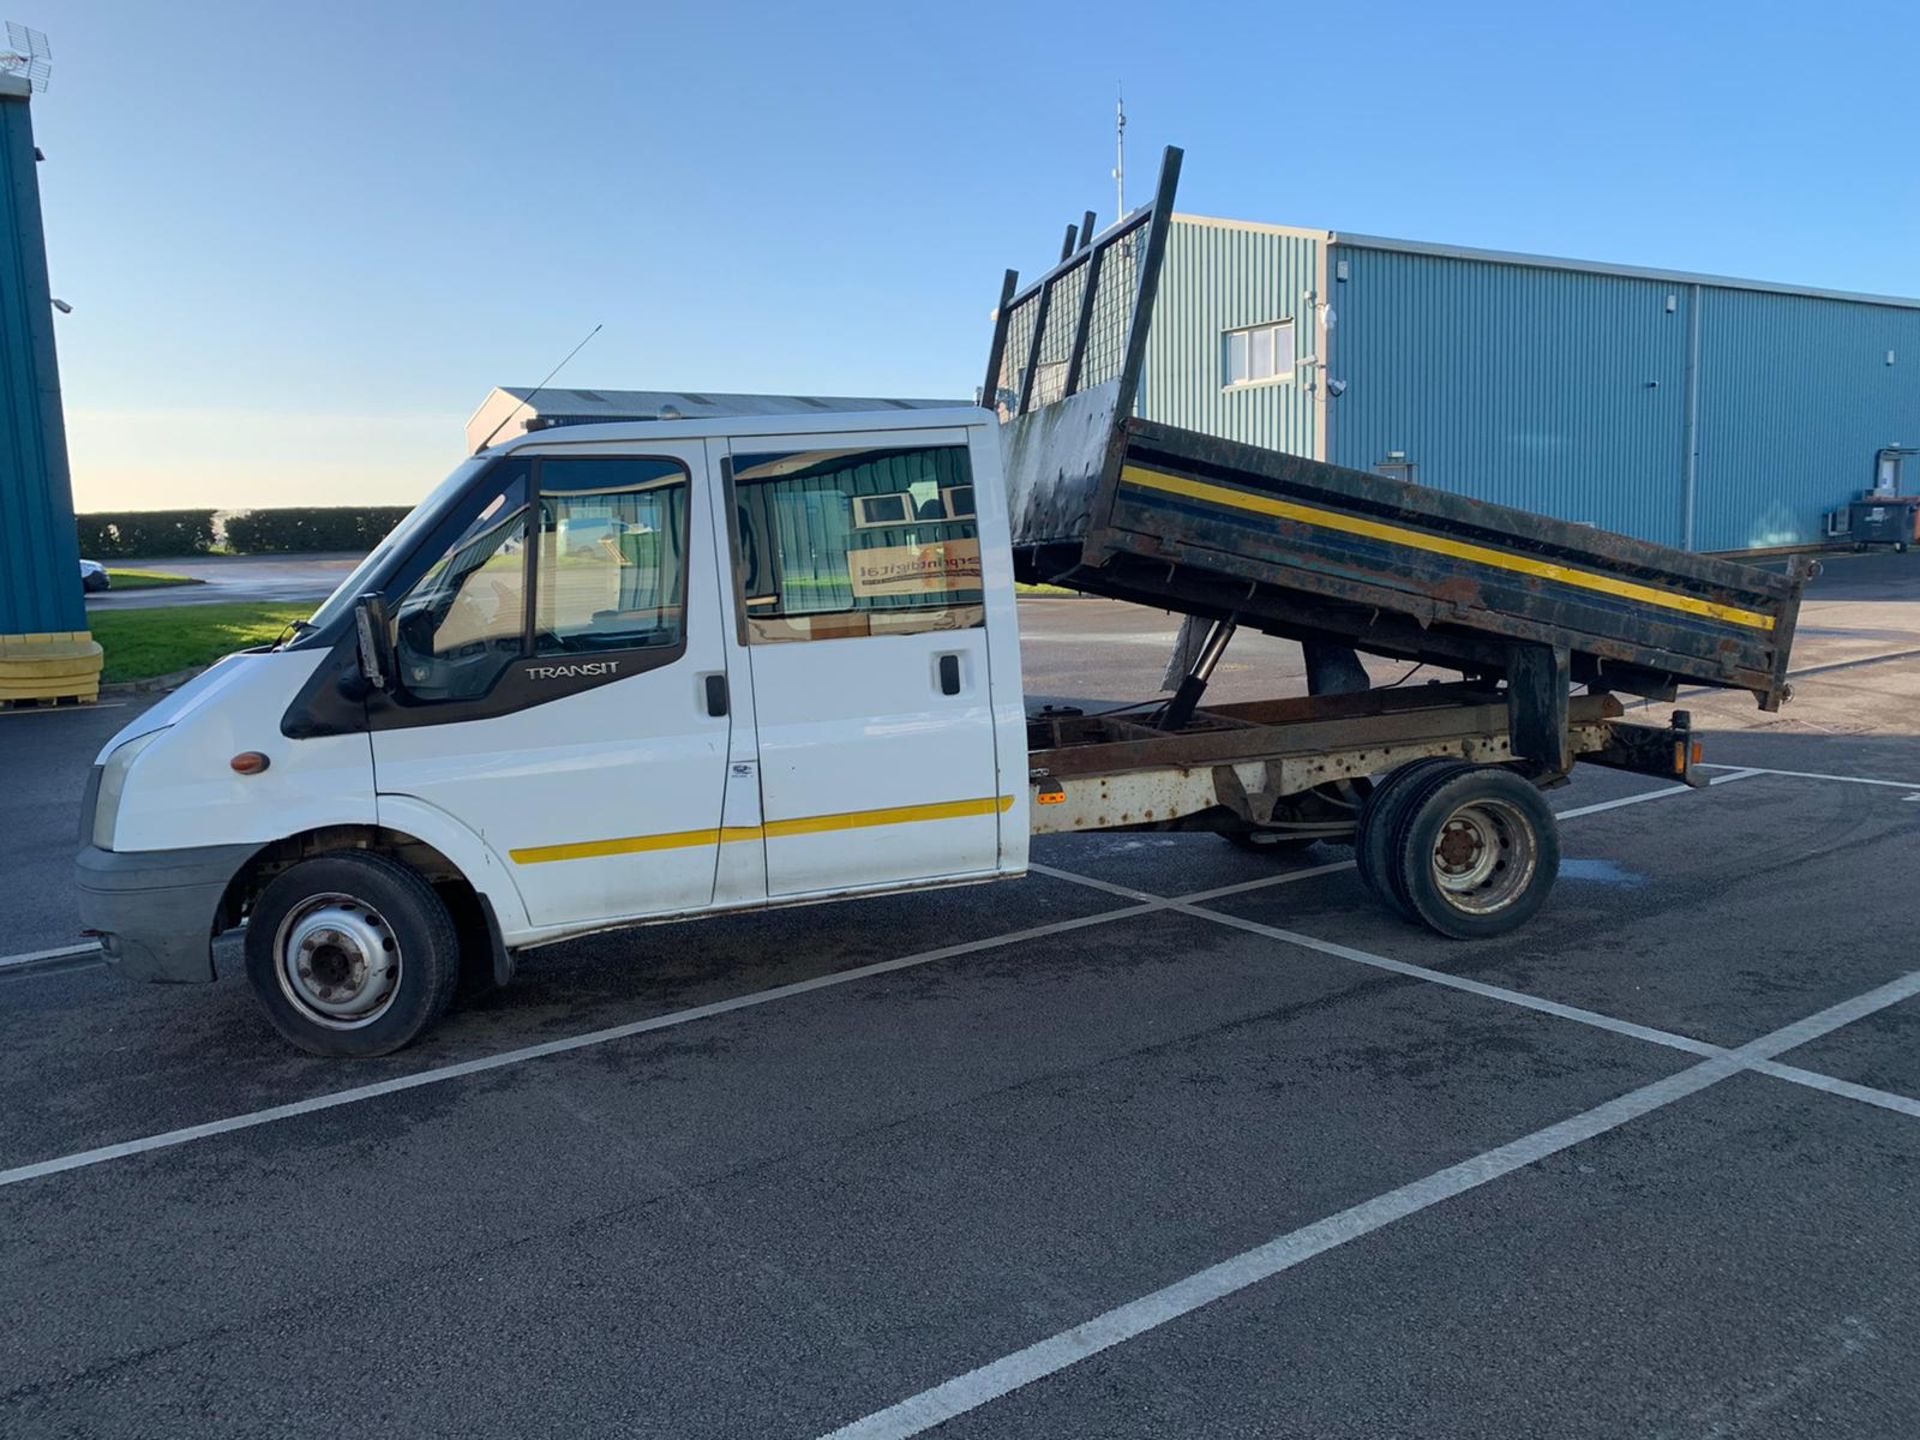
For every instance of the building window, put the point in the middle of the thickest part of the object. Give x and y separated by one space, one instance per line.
832 544
1260 352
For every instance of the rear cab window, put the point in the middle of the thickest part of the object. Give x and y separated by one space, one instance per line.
835 543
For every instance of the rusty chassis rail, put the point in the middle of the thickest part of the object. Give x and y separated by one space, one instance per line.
1250 765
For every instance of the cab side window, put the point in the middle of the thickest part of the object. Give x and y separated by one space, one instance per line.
612 568
838 543
601 547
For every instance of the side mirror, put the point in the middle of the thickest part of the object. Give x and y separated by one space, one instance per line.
375 636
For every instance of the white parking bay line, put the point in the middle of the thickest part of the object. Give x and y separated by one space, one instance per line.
444 1073
1846 1089
63 952
922 1412
1743 773
1458 982
1821 775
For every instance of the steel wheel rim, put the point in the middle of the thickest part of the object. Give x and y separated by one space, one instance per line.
338 961
1484 856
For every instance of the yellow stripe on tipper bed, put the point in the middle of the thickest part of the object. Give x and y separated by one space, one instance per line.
806 825
1436 544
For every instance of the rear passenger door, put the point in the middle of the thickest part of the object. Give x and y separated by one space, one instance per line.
859 604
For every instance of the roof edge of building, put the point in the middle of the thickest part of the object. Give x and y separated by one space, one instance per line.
1627 272
1359 241
1259 227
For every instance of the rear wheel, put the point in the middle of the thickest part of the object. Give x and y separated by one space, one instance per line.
1373 847
1475 852
352 955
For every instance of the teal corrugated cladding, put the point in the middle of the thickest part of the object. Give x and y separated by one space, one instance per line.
1796 397
39 557
1217 279
1560 392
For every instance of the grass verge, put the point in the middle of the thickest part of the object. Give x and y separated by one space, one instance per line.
148 579
1043 590
141 644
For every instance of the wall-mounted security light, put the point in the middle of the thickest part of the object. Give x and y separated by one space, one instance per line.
63 307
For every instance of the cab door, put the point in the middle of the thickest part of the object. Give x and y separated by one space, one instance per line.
860 608
560 685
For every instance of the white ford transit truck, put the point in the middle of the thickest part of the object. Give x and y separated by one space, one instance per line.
647 662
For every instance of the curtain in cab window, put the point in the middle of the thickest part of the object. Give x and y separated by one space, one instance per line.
834 544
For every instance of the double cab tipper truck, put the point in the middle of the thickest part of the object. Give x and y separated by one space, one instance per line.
654 667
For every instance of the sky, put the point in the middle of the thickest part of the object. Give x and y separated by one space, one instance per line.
303 242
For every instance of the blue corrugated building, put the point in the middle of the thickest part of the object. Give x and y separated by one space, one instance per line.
1693 410
45 650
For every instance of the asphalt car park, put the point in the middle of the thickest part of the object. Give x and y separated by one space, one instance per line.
1166 1139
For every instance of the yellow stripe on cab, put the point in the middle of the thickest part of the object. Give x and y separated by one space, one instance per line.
773 829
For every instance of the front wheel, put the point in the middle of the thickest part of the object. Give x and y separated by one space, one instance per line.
352 955
1475 852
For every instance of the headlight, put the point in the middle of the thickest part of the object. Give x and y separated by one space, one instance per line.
113 780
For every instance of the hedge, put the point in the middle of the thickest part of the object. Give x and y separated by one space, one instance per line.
310 528
144 533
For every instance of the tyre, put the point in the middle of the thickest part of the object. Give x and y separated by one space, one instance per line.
352 955
1373 845
1475 852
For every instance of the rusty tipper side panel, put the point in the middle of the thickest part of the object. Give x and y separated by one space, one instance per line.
1427 574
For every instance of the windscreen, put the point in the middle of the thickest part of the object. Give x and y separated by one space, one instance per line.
370 572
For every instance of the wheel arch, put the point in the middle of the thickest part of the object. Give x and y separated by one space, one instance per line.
476 907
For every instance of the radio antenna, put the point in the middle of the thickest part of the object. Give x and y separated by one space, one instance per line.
527 399
27 55
1120 152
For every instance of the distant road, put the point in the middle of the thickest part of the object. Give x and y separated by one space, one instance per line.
266 578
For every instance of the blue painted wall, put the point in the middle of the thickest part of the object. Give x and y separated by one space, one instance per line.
1557 389
1559 392
1796 396
1219 278
39 557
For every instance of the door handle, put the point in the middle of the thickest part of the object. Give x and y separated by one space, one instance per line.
716 695
949 674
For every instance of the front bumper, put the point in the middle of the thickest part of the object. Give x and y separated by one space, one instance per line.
154 909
